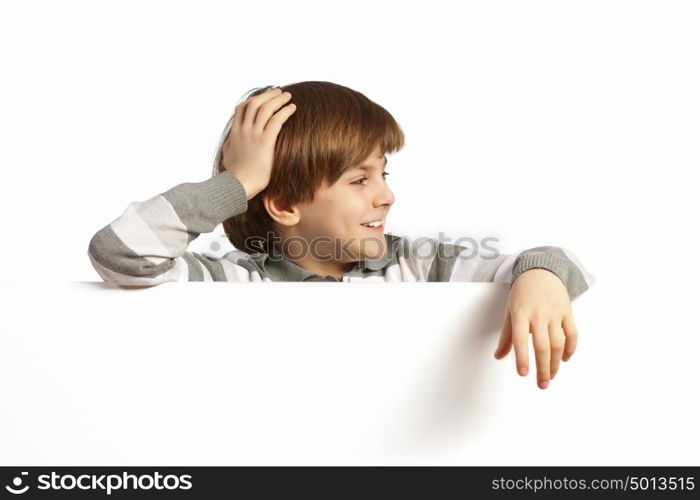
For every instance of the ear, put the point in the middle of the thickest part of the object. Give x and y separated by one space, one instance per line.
281 213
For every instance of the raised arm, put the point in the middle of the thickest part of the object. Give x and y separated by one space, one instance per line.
147 244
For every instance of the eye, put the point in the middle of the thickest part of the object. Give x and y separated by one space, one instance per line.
359 181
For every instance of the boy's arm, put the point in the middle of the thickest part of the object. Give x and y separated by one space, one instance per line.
558 260
458 264
147 244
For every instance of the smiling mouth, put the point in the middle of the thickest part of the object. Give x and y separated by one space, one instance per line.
378 227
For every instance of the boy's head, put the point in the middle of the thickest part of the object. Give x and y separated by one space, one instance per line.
319 195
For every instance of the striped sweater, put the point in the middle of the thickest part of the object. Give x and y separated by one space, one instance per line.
147 245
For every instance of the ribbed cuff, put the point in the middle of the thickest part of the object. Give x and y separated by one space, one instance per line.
225 194
557 265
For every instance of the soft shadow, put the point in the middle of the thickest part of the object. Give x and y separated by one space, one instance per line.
103 285
452 405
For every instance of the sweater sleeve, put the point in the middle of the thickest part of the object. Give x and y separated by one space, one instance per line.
457 263
147 244
561 262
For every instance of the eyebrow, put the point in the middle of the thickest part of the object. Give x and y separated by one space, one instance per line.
368 167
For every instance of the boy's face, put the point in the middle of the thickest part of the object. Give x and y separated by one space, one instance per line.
334 219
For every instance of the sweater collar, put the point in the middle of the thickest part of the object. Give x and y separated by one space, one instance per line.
280 268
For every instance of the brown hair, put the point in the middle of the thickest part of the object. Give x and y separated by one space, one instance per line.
332 129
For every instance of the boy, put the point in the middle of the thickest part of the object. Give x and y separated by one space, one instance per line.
308 202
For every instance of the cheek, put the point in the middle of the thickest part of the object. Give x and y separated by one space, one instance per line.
346 216
334 221
340 215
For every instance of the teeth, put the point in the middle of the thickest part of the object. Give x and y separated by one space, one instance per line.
373 224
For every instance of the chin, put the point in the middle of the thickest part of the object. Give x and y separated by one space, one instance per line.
373 249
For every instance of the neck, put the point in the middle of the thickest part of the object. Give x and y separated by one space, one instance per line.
334 268
324 268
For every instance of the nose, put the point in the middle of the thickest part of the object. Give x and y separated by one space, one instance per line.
383 196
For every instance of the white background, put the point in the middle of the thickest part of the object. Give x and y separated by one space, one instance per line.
562 123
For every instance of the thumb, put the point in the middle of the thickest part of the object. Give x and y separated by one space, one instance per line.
506 339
